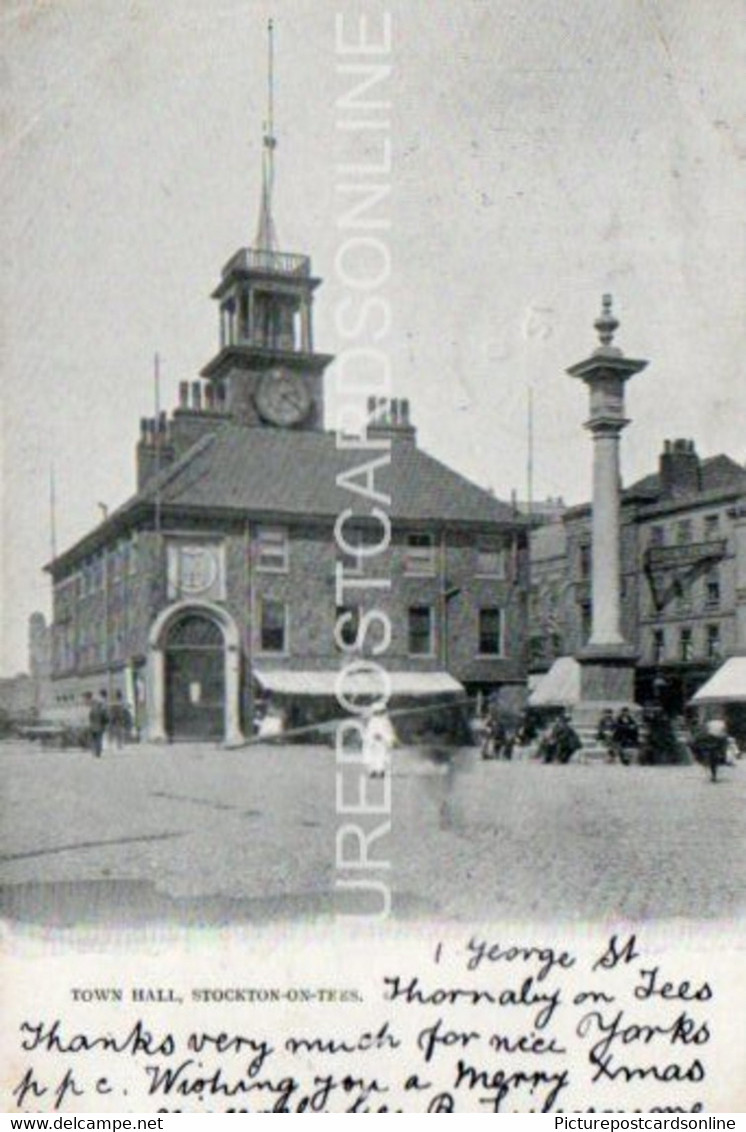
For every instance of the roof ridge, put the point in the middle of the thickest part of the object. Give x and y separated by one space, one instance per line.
166 475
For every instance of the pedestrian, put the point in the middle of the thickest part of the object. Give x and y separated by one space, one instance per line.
606 732
272 722
495 737
98 720
626 736
711 746
120 720
567 740
547 746
379 738
527 730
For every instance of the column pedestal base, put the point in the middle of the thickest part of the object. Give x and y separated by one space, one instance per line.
607 680
607 673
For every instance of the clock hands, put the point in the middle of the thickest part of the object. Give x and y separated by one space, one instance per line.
283 398
292 397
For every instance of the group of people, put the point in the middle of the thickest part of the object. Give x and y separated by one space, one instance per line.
560 742
108 723
620 735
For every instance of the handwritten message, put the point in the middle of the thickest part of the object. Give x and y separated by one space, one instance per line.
476 1025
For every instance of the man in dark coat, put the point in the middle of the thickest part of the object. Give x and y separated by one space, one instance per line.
567 740
606 732
98 719
626 735
711 746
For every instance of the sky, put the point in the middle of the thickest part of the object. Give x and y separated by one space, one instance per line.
543 153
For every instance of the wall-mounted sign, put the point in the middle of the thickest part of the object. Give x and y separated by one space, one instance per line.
196 569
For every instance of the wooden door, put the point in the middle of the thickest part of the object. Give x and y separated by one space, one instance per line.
195 679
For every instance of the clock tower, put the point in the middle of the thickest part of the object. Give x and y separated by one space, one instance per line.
266 372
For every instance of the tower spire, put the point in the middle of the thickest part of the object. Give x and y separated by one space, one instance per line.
266 235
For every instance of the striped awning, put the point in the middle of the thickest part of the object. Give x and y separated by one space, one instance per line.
327 682
726 686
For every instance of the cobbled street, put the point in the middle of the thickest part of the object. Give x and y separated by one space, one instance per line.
194 834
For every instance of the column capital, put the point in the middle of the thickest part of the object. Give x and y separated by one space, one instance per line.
601 427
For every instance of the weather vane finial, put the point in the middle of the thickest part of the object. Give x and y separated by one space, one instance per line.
270 140
266 236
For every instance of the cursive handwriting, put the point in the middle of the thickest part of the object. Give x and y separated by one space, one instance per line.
484 1025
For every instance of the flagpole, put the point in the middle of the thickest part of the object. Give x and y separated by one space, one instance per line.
157 439
52 512
530 453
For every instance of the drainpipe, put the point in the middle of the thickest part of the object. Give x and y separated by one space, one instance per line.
248 554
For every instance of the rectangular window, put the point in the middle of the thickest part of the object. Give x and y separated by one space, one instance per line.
685 644
659 646
490 560
586 619
490 632
657 536
712 527
363 546
420 630
420 554
713 642
273 626
585 561
684 531
712 590
683 598
272 549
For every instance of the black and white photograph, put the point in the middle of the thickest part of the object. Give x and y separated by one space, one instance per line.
374 555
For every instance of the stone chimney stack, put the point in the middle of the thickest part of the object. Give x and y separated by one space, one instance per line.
155 449
680 471
390 417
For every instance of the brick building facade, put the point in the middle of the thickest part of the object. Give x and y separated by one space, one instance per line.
683 569
261 554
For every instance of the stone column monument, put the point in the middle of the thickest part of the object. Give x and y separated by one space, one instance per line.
607 661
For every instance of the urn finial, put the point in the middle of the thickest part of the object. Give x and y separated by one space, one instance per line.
606 324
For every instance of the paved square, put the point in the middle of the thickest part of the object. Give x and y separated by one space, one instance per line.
202 835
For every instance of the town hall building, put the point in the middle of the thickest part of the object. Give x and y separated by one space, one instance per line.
260 555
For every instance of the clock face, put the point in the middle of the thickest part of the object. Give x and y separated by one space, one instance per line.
283 398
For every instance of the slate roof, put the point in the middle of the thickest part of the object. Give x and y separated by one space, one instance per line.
548 542
279 473
718 473
295 473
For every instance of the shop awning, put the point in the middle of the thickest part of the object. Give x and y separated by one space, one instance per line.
726 686
286 682
560 687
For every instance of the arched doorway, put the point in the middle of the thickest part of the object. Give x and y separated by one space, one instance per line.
180 642
195 678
